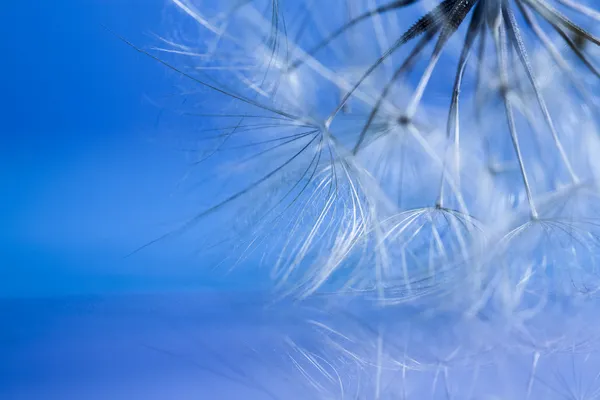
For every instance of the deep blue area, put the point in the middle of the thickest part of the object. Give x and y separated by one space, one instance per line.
88 174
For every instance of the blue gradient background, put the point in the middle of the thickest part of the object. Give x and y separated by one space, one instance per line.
89 174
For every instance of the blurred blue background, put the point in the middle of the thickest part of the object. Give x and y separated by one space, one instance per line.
89 173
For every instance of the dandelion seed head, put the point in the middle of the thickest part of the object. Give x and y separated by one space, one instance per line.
438 158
